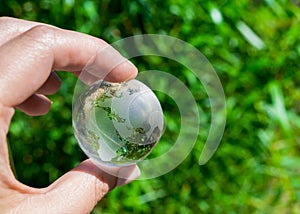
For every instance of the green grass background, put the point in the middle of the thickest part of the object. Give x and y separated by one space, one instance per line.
257 166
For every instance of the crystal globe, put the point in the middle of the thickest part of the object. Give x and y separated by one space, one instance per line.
117 123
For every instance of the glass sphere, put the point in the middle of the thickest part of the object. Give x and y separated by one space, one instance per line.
117 123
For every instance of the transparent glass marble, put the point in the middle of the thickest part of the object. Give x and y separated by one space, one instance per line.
117 123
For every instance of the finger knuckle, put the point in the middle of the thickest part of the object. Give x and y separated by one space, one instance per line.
41 33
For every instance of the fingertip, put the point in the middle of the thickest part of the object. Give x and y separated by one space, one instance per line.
133 69
110 65
51 85
90 182
120 175
123 72
35 105
128 174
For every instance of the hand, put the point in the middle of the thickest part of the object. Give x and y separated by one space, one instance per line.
29 54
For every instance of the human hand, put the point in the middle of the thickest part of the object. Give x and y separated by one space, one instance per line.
29 54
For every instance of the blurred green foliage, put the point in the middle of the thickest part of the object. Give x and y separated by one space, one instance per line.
255 48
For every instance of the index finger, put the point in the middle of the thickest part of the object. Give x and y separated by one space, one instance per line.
12 27
28 58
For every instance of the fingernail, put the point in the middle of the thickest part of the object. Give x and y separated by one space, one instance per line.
133 69
55 77
130 63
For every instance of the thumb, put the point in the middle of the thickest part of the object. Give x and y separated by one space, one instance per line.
79 190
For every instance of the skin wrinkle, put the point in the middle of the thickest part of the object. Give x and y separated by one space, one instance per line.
34 48
96 183
10 29
43 36
98 187
99 190
53 200
33 203
86 188
51 197
71 57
